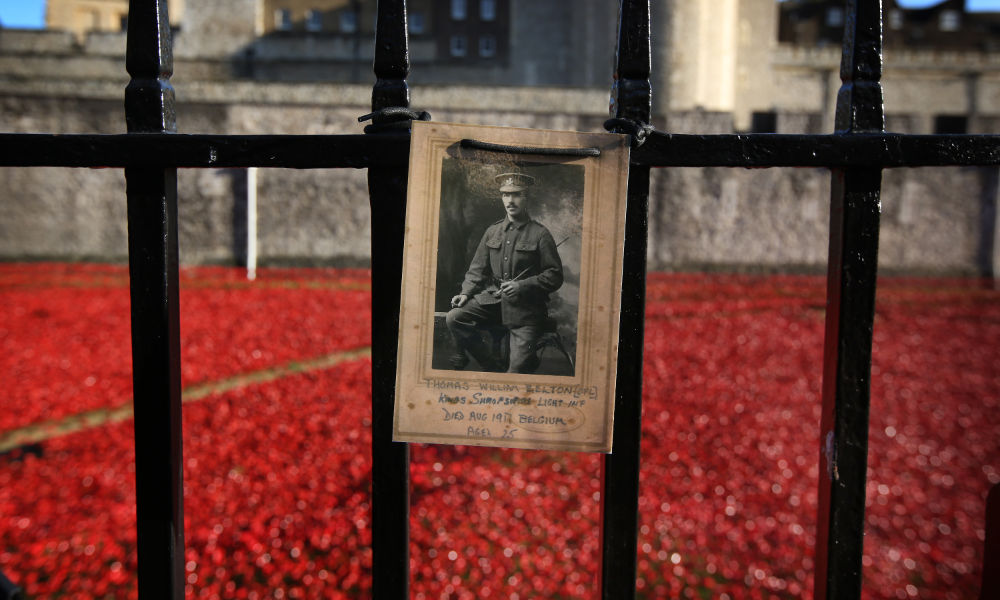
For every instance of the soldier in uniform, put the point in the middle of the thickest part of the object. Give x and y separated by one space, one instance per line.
515 268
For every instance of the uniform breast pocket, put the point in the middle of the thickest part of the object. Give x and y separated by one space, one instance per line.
525 257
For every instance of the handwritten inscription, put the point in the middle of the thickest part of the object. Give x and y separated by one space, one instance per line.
541 420
540 415
485 432
552 422
508 411
478 399
576 391
499 387
525 389
453 415
444 384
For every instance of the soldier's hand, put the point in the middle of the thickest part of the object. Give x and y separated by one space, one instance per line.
459 301
510 289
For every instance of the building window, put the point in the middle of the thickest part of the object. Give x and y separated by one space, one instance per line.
954 124
835 16
949 20
488 10
416 23
314 20
459 45
348 21
895 19
487 46
123 22
764 122
283 19
458 10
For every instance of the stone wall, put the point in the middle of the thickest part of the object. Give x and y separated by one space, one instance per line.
939 220
217 28
919 85
934 220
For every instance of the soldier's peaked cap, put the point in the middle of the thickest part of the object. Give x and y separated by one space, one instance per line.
514 182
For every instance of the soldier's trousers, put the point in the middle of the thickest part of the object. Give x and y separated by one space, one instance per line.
467 324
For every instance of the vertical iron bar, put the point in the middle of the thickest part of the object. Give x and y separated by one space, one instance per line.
620 469
991 546
153 280
387 191
854 226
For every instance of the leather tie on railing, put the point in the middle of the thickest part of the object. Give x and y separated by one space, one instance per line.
506 149
393 118
638 130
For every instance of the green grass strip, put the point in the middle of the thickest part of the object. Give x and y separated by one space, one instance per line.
45 430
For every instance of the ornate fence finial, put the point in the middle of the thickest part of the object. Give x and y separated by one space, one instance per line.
631 97
149 97
859 101
392 59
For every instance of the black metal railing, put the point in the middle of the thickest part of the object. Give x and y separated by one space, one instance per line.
151 152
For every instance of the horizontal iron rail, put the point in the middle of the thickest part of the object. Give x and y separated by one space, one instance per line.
361 151
827 150
203 151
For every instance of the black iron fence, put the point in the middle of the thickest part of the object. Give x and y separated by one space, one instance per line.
151 152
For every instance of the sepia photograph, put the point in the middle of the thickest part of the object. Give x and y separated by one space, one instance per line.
511 287
508 267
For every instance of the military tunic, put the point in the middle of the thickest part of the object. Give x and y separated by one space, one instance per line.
523 252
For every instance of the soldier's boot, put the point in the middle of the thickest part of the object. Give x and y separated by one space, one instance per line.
530 364
458 360
485 358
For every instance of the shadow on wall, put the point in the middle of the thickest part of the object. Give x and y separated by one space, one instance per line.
988 254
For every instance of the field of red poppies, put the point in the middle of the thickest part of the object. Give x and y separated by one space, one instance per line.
277 458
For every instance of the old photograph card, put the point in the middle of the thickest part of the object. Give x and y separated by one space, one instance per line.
512 266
